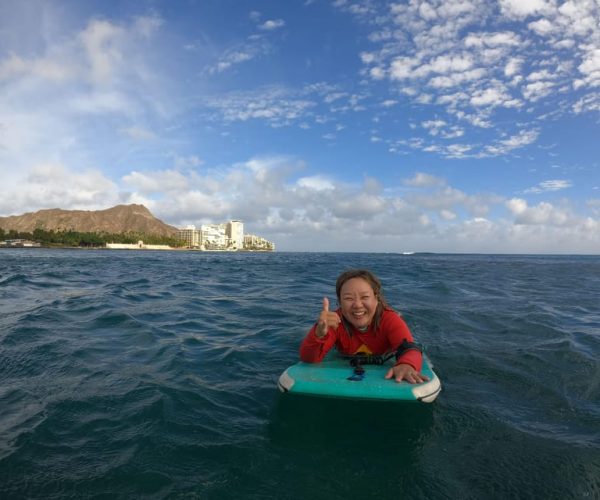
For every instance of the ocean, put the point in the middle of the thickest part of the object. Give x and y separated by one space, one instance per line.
143 374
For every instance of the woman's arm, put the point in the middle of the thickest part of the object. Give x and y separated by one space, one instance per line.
321 337
398 333
410 360
313 349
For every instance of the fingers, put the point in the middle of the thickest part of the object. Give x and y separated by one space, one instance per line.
321 330
326 319
407 373
413 378
329 318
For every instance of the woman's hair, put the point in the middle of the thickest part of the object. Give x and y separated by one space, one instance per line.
373 282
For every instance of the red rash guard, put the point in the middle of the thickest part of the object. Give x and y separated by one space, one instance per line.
390 334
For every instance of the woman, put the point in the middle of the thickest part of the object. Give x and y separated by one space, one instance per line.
363 324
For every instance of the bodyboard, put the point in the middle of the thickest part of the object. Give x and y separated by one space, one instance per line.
333 377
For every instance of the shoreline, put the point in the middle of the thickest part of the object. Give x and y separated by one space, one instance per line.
171 249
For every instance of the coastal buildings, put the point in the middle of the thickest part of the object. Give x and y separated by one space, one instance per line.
253 242
140 245
191 236
19 243
224 236
235 233
214 237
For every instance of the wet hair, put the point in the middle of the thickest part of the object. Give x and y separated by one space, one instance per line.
373 282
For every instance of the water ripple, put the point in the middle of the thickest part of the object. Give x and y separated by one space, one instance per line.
134 374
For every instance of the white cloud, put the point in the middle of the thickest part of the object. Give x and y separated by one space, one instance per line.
590 67
441 65
550 185
490 97
146 26
543 213
588 103
497 56
272 24
540 75
442 129
434 126
46 69
255 46
186 162
513 66
458 150
444 67
156 181
98 54
402 68
483 39
450 199
276 105
237 56
422 179
313 212
367 57
334 96
315 183
427 12
542 27
102 102
523 138
521 9
359 205
102 42
53 185
594 205
456 79
537 90
448 214
377 73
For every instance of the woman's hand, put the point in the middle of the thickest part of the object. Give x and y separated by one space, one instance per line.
406 372
326 319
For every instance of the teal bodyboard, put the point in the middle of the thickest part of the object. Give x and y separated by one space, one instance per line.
331 378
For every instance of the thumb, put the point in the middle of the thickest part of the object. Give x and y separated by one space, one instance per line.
390 373
325 304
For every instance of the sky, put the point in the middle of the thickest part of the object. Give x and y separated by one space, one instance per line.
324 125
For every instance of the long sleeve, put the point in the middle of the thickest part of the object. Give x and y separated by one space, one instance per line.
313 349
391 333
398 331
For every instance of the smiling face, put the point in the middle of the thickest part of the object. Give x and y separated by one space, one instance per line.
358 302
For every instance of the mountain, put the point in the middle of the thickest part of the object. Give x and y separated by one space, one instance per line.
115 220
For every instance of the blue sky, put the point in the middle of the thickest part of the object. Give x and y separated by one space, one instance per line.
443 126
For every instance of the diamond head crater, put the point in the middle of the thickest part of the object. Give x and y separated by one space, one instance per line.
122 227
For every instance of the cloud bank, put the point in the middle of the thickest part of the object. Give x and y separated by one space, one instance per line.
101 111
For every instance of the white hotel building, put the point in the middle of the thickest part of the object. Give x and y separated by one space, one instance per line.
225 236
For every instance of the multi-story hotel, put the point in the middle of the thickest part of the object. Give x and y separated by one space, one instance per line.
224 236
235 233
191 236
253 242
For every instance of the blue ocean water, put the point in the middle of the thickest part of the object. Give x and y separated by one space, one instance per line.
138 374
